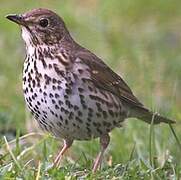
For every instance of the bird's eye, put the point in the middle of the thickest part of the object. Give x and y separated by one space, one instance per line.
43 22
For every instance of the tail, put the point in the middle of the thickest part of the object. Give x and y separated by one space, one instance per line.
148 116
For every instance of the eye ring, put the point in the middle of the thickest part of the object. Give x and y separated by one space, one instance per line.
44 22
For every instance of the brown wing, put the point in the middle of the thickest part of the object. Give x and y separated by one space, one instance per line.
104 78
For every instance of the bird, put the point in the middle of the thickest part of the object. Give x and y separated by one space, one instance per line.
70 91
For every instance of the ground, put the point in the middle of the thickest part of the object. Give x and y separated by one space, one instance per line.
141 41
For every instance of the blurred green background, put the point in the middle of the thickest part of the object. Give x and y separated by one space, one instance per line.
140 40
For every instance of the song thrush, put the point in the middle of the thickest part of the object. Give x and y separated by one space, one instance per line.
71 92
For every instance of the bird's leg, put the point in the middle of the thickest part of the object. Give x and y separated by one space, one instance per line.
104 142
67 144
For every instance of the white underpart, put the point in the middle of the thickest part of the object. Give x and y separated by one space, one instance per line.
26 35
27 38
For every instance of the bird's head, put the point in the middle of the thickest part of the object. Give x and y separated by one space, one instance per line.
40 26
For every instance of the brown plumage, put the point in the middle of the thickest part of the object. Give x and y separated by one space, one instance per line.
70 91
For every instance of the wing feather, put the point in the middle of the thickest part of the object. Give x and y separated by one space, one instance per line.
104 78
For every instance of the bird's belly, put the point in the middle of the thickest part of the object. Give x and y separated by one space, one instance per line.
76 115
74 111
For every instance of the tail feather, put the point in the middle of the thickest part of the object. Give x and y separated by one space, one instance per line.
149 116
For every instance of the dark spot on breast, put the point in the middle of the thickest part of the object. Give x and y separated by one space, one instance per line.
52 112
36 107
34 83
50 66
68 91
111 112
59 87
76 107
53 101
41 58
51 95
80 71
64 110
90 88
81 96
87 124
107 124
98 106
56 106
71 115
89 119
60 102
33 97
24 79
44 93
53 87
56 95
47 79
81 90
58 71
59 124
98 114
54 80
80 113
66 121
29 99
67 102
104 114
84 106
78 119
61 118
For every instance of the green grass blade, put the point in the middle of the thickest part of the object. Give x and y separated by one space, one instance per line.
151 141
176 138
12 155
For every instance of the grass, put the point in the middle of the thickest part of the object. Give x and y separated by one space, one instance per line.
141 42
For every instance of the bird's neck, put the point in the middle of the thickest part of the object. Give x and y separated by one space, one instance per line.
43 55
67 43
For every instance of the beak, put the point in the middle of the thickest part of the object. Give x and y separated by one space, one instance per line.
16 18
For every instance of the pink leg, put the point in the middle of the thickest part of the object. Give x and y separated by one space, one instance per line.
67 144
104 141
